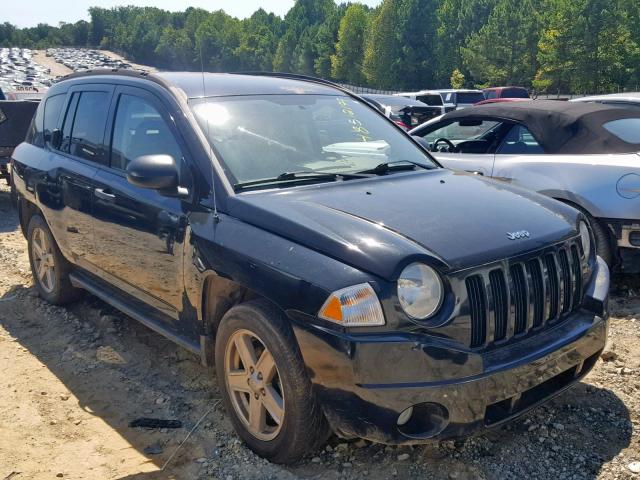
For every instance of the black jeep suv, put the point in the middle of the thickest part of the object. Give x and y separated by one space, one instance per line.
285 230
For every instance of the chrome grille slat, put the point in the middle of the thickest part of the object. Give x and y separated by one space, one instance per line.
477 302
566 280
500 295
520 297
537 291
554 287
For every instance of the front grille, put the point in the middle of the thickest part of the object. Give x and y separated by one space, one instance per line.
523 296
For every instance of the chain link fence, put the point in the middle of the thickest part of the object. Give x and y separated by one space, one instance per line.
540 96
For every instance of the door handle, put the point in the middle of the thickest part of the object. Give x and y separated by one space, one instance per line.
475 172
103 195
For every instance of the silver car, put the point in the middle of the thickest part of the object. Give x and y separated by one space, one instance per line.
623 100
583 154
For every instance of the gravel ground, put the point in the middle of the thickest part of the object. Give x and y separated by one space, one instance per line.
73 378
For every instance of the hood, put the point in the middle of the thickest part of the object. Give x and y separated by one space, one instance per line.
380 224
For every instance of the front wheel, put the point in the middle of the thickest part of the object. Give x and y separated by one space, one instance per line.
264 384
604 247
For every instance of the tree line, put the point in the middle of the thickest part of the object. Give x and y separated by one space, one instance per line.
570 46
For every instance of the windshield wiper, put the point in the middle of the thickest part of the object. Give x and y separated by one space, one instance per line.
297 177
397 165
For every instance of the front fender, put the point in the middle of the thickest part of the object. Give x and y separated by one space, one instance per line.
293 277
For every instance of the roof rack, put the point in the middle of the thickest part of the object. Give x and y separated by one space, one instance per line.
119 72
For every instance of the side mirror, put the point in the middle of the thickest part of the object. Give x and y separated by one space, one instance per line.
157 172
56 138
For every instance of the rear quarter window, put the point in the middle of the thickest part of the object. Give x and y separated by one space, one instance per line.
34 134
626 129
52 107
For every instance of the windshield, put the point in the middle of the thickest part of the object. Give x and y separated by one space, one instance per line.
434 100
469 97
263 136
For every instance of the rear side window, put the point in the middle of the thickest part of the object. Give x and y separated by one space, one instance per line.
87 132
34 134
139 130
626 129
52 108
515 93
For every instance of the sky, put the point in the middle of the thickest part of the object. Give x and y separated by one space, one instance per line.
30 13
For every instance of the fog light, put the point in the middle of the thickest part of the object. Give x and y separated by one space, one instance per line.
424 420
405 416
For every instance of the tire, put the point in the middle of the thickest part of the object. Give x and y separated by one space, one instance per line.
303 427
604 248
55 286
604 245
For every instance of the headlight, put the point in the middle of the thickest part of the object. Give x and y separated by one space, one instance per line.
420 291
356 306
585 238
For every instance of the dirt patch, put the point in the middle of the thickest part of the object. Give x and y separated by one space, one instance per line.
57 69
74 378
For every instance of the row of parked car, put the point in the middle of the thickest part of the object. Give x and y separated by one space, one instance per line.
339 278
20 74
81 59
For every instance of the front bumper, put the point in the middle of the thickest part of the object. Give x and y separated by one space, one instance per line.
364 382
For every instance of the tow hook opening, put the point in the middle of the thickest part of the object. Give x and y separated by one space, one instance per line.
424 420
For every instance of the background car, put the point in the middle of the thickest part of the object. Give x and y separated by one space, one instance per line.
428 97
406 112
502 100
455 99
583 154
624 100
505 92
15 118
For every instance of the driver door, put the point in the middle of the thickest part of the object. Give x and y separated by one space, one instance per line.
478 158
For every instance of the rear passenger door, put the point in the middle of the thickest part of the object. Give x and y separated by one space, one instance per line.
67 188
139 232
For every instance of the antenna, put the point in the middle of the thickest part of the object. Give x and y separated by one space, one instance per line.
216 218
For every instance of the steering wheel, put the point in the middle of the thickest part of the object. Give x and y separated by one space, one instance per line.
450 146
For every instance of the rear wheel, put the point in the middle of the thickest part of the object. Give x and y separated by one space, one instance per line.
49 268
264 384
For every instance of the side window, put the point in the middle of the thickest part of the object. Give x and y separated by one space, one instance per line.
519 141
461 131
491 94
34 134
68 122
88 126
52 109
626 129
139 130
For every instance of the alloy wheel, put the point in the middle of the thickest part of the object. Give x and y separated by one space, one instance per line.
254 385
43 261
